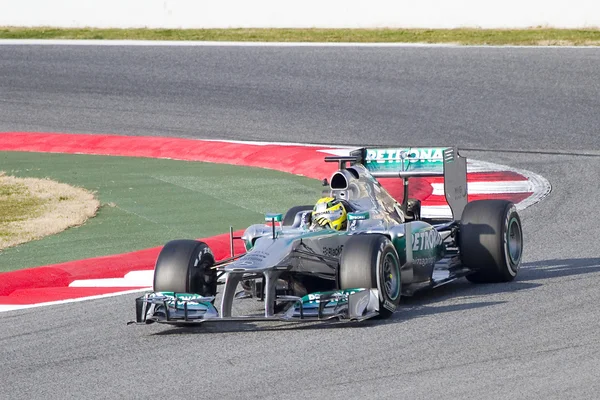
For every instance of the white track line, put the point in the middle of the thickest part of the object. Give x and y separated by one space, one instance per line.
13 307
142 279
190 43
436 212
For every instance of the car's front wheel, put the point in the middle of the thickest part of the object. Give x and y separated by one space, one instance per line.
371 262
184 266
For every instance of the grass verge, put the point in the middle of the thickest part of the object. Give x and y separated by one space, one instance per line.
534 36
147 202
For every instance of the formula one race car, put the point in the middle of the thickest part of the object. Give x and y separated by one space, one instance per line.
307 270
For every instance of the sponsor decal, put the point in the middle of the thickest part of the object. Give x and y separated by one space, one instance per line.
412 155
273 217
424 262
249 260
358 216
188 297
338 296
426 240
205 250
256 257
459 192
389 305
252 258
180 296
314 297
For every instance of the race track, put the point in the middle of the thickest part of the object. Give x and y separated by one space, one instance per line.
535 109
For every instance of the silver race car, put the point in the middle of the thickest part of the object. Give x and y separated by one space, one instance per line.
352 256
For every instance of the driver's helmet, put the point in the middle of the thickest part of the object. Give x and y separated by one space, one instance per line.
329 212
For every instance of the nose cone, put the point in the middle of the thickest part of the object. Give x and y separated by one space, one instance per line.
246 264
266 254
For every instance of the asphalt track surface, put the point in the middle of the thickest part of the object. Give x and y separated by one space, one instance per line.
536 109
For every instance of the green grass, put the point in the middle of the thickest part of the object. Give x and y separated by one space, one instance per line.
16 204
147 202
534 36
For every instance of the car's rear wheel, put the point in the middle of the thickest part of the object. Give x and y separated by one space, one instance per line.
491 240
371 262
184 266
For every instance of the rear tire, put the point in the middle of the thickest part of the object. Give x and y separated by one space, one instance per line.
491 241
290 216
184 266
371 262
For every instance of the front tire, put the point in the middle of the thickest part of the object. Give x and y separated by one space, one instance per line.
184 266
371 262
491 241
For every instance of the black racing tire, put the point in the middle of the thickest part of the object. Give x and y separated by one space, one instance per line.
491 241
184 266
370 261
290 215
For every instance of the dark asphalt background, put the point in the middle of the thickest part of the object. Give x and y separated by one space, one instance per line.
536 109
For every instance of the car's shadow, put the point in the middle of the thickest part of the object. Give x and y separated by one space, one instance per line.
399 316
558 268
422 303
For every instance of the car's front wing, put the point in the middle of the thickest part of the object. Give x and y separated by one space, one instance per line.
185 308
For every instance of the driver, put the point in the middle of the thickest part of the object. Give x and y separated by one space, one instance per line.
329 213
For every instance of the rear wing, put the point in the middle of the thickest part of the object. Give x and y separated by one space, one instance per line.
421 162
389 162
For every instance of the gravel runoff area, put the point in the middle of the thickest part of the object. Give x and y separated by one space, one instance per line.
33 208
